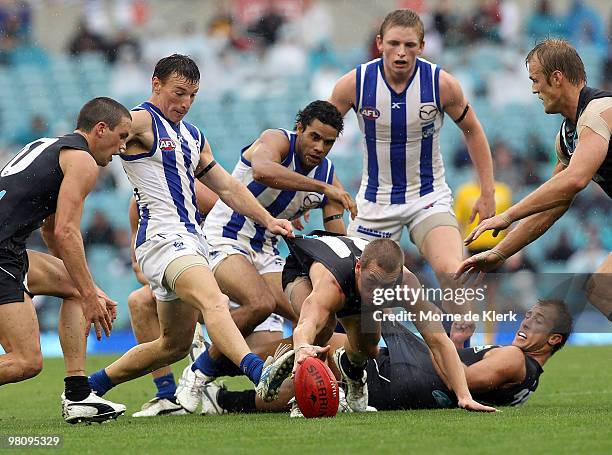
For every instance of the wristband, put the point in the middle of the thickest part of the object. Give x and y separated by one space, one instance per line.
337 216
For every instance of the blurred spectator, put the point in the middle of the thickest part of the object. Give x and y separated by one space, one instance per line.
510 25
465 199
99 231
544 23
37 128
446 23
461 156
128 78
587 259
15 26
106 180
122 43
506 164
584 26
530 172
85 40
267 27
537 151
562 249
484 23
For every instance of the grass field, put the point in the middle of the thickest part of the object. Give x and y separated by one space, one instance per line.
570 413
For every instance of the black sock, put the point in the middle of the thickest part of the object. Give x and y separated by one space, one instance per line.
237 401
354 372
610 317
227 368
77 388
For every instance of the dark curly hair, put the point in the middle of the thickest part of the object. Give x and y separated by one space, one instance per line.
323 111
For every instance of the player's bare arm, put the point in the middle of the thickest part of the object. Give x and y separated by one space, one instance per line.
141 132
527 231
47 232
236 195
457 107
500 367
442 348
343 94
80 174
266 156
321 304
333 212
560 190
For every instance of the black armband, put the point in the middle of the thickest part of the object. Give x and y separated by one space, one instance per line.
204 171
463 114
337 216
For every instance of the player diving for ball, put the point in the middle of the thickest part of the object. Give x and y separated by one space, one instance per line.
404 374
329 278
289 174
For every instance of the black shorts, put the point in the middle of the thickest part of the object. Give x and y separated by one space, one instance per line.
403 376
13 270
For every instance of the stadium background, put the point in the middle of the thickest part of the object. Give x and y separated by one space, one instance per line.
261 61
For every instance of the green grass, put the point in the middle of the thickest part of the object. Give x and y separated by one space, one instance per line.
570 413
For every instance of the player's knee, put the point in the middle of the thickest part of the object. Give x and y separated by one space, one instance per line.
136 300
216 304
30 365
261 305
175 350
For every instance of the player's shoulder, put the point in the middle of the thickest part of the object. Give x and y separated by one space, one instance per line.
141 120
513 356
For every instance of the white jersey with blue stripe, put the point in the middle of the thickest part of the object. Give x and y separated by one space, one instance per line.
224 223
163 178
402 160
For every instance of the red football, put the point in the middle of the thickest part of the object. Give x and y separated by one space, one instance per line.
316 389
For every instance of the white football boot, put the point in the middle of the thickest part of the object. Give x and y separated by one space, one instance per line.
275 371
357 391
210 405
91 409
190 387
158 407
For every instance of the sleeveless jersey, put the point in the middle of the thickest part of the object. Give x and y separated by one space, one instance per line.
163 178
569 139
414 382
511 396
338 254
402 159
30 184
224 222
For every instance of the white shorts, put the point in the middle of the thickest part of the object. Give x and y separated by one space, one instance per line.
159 251
274 323
221 248
388 220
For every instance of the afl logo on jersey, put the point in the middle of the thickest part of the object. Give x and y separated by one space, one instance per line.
166 145
370 113
428 112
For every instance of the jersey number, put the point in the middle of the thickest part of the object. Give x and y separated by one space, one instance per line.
340 248
27 154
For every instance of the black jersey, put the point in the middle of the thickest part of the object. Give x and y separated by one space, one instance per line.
568 134
29 186
403 375
510 396
338 254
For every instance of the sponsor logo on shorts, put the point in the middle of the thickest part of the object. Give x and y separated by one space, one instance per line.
166 145
429 206
370 113
178 246
428 112
373 232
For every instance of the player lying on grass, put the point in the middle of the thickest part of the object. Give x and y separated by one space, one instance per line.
46 184
329 278
404 374
584 153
